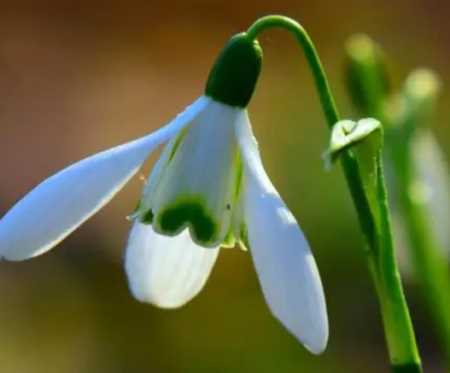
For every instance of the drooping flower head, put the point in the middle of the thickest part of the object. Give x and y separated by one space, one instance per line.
208 190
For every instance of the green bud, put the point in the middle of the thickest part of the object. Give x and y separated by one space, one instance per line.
233 77
366 75
420 93
413 108
422 84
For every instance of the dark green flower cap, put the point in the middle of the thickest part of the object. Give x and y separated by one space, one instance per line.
233 77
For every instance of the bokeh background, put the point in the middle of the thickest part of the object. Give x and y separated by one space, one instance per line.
77 77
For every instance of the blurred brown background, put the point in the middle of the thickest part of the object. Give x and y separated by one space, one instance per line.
80 76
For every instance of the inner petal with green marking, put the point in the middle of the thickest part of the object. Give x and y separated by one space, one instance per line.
196 182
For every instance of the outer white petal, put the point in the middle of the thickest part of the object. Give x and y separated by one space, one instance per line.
286 268
57 206
166 271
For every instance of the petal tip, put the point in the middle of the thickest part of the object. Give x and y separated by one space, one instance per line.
166 271
319 343
153 299
12 254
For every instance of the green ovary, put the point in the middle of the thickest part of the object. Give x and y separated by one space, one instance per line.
192 214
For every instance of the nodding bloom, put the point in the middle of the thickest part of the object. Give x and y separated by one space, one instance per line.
208 190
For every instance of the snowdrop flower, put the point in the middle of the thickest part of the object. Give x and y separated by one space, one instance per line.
208 190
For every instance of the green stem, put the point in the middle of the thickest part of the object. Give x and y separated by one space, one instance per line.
430 265
367 85
396 316
399 332
320 78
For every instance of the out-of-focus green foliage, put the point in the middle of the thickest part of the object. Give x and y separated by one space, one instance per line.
418 176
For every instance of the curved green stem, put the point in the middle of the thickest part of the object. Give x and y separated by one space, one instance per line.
320 78
371 205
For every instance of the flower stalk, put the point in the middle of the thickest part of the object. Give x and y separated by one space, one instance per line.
365 179
407 116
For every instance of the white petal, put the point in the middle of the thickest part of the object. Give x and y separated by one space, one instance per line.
166 271
57 206
286 268
197 187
